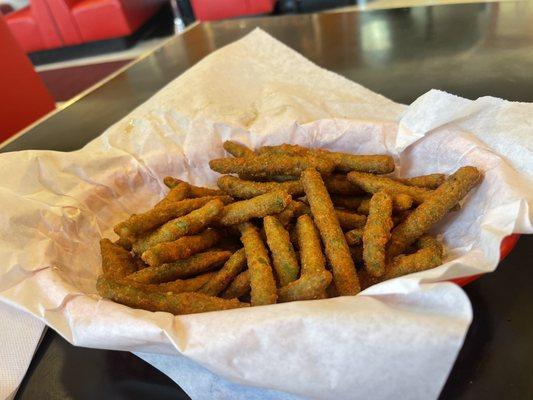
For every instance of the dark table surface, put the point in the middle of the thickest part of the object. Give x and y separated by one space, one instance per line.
471 50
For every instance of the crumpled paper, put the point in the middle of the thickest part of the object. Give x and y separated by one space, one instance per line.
400 336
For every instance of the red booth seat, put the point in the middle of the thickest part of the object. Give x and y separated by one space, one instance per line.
47 24
211 10
34 27
105 19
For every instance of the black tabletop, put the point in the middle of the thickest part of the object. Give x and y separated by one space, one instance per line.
471 50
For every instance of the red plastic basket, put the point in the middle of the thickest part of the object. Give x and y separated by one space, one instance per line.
508 243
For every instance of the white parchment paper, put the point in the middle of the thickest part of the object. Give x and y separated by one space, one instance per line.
401 336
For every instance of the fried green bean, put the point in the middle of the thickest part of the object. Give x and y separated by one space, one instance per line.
431 181
194 265
354 237
442 199
239 287
344 162
314 277
400 202
237 149
308 287
223 277
348 202
176 286
347 220
376 233
241 211
189 224
373 184
138 224
283 255
340 185
429 256
337 251
195 191
267 165
247 189
116 261
261 277
177 193
174 303
181 248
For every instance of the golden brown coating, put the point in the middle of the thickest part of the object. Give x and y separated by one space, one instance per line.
138 224
348 202
194 265
189 224
177 193
243 189
237 149
176 286
267 165
344 162
374 183
431 181
195 191
354 237
116 261
347 220
222 278
428 256
261 277
400 202
283 255
442 200
241 211
239 287
181 248
337 251
376 233
174 303
340 185
308 287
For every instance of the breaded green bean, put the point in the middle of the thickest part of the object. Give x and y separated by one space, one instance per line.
354 237
237 149
194 265
116 261
189 224
442 200
348 202
283 256
123 242
241 211
195 191
347 220
337 251
378 164
290 212
239 287
311 256
268 165
138 224
177 286
177 193
429 256
261 277
400 202
175 303
308 287
368 280
314 278
431 181
340 185
223 277
181 248
247 189
376 233
373 184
